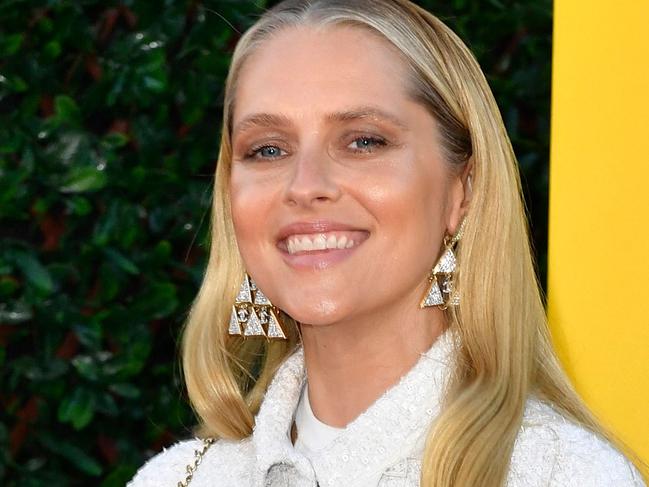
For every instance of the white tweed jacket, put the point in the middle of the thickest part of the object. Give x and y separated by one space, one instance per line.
384 445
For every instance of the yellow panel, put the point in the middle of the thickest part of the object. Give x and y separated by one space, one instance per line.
598 281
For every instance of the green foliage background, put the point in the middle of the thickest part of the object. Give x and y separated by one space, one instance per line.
109 125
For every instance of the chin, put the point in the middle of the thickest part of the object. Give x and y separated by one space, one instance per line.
318 312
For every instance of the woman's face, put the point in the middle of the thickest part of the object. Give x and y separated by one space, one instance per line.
340 195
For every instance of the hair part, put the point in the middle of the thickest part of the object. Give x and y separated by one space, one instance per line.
504 354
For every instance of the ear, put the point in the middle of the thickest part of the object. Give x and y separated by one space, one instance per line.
460 198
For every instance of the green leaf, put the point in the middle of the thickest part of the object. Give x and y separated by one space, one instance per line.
118 477
40 206
35 273
5 267
89 334
125 390
10 44
162 251
111 282
72 453
136 347
86 366
122 262
14 83
156 84
17 312
79 205
67 110
77 409
114 140
83 179
106 404
158 300
52 49
45 24
8 286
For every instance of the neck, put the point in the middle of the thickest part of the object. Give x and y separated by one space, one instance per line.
351 364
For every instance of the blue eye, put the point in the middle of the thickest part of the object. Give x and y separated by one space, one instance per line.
366 144
265 152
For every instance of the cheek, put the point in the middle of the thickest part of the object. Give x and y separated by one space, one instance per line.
248 207
410 200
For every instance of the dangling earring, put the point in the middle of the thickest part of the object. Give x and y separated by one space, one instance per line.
444 271
253 309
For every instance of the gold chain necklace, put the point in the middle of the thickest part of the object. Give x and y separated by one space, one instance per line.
198 458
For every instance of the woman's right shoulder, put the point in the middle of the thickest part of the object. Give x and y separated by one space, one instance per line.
226 463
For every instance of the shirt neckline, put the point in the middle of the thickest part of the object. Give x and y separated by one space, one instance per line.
394 424
312 434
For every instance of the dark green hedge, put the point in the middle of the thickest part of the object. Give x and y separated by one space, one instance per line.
109 125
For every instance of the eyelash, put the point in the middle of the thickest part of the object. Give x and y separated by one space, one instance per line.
377 141
252 154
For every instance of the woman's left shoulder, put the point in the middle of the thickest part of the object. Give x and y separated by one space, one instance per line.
555 451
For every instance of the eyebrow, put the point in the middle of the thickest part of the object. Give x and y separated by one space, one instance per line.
356 113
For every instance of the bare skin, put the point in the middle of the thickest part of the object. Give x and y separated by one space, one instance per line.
342 151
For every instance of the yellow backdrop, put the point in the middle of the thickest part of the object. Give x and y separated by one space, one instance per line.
598 286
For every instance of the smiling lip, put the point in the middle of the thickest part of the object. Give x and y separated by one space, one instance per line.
317 226
313 230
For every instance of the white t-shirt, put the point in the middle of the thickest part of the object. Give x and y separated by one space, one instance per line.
312 434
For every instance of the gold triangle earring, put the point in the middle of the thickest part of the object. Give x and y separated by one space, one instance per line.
252 311
442 291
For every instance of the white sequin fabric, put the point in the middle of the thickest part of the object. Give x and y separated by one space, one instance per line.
383 447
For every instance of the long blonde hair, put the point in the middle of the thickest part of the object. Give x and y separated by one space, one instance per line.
505 351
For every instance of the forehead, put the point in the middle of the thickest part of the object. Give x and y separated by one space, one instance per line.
312 69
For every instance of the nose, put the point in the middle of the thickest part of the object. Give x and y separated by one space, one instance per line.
311 181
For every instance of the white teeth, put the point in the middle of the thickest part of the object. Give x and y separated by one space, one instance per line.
306 244
320 242
303 243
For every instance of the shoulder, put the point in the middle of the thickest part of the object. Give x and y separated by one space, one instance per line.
553 450
225 462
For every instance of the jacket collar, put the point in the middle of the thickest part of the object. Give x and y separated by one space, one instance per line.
391 429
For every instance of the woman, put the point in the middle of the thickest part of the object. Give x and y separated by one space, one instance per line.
367 189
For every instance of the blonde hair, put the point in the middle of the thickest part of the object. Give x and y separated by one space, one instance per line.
505 351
